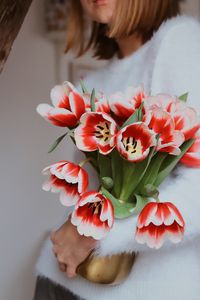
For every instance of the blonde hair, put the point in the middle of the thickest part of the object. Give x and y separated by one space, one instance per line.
131 16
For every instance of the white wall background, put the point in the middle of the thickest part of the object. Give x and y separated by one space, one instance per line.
27 212
191 7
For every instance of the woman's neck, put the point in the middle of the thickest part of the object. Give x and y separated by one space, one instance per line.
130 44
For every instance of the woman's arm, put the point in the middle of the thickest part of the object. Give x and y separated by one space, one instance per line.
177 71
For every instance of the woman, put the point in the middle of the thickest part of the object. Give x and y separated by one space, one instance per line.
146 42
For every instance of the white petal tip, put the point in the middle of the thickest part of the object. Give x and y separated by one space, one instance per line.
43 109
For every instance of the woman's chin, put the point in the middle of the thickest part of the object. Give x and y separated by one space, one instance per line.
101 17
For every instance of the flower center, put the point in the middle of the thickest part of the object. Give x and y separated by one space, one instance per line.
96 207
132 146
103 131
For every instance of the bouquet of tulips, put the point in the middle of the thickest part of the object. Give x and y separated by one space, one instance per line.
134 141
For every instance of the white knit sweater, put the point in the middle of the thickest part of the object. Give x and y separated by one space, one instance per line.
168 63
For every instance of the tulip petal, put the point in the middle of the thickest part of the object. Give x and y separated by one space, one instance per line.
107 213
82 181
102 104
59 97
176 214
77 104
63 117
93 215
121 109
69 195
85 139
43 109
68 179
160 122
96 132
156 222
70 172
50 185
191 160
89 226
134 141
192 157
89 197
175 233
56 169
57 116
147 214
185 118
161 101
124 104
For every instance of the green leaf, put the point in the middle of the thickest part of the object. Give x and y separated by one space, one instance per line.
184 97
57 142
83 87
104 162
133 178
107 182
94 159
92 100
135 117
121 210
171 161
140 113
129 171
151 172
132 119
125 210
140 203
117 174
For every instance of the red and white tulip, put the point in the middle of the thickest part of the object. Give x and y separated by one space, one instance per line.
158 221
68 106
123 105
185 118
134 141
163 125
93 215
101 102
96 132
67 178
162 101
192 157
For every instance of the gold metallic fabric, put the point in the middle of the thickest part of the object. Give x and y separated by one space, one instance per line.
111 270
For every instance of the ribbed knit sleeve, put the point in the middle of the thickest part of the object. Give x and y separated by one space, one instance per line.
177 71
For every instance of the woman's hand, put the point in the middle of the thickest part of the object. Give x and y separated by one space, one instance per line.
71 248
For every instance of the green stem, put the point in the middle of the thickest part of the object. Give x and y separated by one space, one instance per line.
121 210
133 177
93 161
170 163
152 171
83 162
117 174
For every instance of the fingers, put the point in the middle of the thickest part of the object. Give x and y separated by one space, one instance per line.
68 270
62 267
71 271
53 237
64 264
55 249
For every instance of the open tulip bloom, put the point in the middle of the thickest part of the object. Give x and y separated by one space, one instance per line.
68 179
133 141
